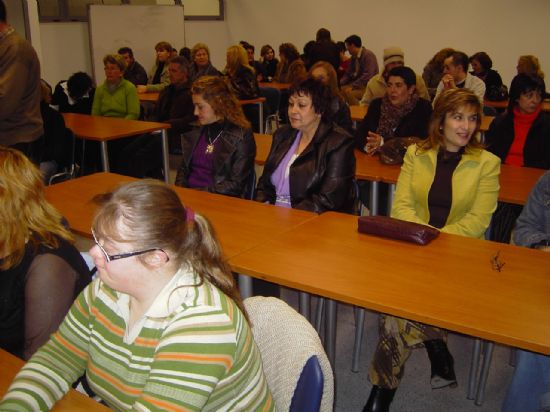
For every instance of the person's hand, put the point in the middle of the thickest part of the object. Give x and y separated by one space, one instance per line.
448 82
374 141
141 88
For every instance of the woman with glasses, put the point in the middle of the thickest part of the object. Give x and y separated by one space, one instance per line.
41 272
162 327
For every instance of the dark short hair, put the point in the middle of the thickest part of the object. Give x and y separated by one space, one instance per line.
524 83
182 62
483 59
406 73
319 93
249 46
3 14
341 46
126 50
461 59
354 39
185 52
323 35
79 84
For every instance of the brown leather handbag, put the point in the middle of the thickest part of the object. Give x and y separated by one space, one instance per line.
391 228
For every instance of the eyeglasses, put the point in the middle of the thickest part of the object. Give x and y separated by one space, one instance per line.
110 258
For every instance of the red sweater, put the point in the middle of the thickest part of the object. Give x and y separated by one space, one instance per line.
522 125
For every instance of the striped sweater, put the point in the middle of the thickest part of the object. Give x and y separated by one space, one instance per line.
193 350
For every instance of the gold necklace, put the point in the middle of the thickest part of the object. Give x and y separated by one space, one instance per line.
210 145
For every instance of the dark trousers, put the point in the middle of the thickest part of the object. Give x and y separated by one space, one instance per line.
33 150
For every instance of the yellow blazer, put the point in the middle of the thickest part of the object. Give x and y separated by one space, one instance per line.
475 190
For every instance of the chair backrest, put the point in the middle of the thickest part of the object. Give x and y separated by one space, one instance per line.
297 369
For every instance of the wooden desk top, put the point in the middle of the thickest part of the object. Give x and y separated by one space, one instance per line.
253 101
449 283
275 85
359 112
240 224
515 182
102 128
72 402
148 97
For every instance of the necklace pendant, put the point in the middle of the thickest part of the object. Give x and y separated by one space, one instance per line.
209 149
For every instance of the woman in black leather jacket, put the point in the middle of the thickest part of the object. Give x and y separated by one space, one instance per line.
218 157
311 164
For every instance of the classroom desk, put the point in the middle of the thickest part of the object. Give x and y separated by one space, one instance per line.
504 104
275 85
515 182
103 129
240 224
359 112
449 283
149 97
72 402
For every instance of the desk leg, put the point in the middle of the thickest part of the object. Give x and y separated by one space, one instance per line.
104 156
304 305
330 344
391 195
261 117
373 206
474 368
245 286
165 156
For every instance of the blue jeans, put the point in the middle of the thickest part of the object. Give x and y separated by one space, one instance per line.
530 387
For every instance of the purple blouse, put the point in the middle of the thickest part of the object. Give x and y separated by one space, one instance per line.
202 165
280 177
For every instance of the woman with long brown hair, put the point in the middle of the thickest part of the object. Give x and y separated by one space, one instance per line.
450 182
41 272
161 328
219 156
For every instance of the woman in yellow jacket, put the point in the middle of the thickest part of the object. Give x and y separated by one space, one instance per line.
450 182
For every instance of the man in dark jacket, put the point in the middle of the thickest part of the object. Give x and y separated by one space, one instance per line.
134 72
324 49
143 157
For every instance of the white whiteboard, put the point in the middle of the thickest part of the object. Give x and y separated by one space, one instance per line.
138 27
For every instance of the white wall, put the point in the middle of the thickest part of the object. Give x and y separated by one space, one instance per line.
503 28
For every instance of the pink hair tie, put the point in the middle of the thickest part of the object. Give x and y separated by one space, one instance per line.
189 214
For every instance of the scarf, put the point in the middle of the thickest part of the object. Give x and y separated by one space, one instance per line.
391 116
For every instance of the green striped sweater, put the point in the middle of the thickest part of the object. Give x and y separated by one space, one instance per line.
194 351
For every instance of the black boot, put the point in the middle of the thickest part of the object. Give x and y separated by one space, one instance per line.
443 373
379 399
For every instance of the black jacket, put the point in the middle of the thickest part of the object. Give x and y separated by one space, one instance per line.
536 152
414 124
245 84
136 74
324 51
321 178
175 106
233 160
